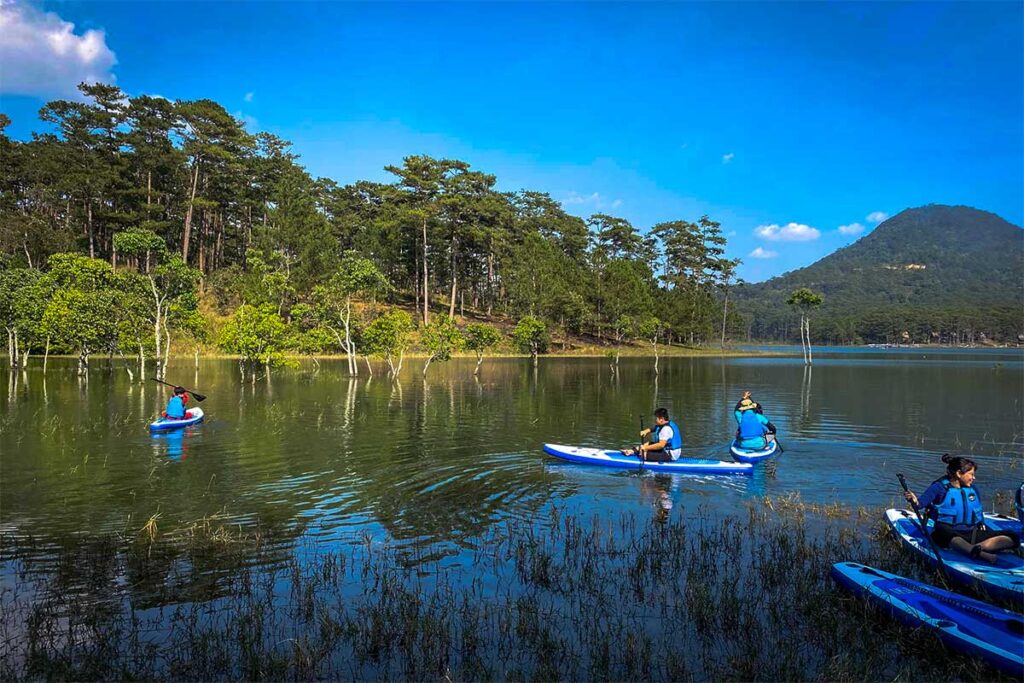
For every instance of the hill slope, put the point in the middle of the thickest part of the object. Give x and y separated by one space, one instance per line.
935 258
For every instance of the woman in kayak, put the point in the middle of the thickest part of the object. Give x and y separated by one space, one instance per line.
669 443
955 505
176 406
754 429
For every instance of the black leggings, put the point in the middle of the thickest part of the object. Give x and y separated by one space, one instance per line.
942 534
658 456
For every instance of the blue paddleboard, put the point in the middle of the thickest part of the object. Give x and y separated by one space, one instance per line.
606 458
964 624
195 417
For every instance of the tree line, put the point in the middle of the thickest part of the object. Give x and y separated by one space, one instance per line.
130 211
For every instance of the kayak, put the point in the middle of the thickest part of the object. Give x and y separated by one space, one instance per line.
748 455
195 416
964 624
605 458
1001 522
1004 579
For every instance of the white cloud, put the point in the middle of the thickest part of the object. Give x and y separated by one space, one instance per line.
763 253
791 232
726 158
248 97
877 216
593 199
851 229
41 54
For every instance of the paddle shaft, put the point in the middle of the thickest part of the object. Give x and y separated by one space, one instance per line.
924 527
640 448
199 397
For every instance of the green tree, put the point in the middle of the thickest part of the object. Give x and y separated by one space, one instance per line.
440 339
388 336
805 301
257 334
332 303
531 336
480 337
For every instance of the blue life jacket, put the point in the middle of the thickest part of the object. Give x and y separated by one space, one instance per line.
751 426
960 508
677 437
175 407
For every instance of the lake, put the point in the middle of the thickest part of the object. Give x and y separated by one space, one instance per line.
433 469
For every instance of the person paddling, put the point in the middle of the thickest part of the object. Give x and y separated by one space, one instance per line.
667 440
955 505
754 430
176 405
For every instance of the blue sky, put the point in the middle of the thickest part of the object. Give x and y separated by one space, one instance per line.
782 121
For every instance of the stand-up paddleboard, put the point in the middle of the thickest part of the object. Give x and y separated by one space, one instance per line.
605 458
1003 579
748 455
195 416
964 624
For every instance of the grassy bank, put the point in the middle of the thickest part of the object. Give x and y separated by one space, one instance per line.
683 598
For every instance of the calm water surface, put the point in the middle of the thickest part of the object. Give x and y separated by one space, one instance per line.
329 459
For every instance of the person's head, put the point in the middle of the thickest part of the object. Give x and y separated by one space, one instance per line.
746 394
661 416
961 469
178 391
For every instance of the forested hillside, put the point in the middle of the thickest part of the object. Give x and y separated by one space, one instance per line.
136 222
937 273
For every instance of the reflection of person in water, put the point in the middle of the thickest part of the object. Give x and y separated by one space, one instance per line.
174 440
659 487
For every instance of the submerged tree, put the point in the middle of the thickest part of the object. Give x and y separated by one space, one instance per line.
388 336
479 338
805 301
440 339
531 336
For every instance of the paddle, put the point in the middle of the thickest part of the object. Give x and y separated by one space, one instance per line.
640 448
772 431
198 397
924 527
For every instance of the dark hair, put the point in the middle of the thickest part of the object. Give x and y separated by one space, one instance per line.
179 390
956 465
662 413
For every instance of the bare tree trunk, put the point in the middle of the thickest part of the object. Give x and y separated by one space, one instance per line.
810 358
426 278
188 214
430 359
455 277
88 222
479 360
725 315
46 353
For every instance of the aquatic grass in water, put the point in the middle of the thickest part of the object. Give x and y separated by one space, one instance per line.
625 598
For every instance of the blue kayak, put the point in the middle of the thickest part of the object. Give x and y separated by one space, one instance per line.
756 455
195 416
970 626
1003 580
606 458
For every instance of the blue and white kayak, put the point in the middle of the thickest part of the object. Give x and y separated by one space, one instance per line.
195 416
1004 579
605 458
748 455
964 624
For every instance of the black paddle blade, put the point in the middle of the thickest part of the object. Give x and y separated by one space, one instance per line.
198 397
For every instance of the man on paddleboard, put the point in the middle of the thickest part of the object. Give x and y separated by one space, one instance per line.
176 406
668 445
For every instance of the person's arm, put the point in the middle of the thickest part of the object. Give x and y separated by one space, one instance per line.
931 495
184 398
661 443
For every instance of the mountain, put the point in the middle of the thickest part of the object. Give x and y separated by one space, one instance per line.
926 268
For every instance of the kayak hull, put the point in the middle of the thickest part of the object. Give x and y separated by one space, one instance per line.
606 458
163 424
964 624
1003 580
745 455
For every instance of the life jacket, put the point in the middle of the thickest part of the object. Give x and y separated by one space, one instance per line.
1020 502
175 408
960 508
676 442
750 426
